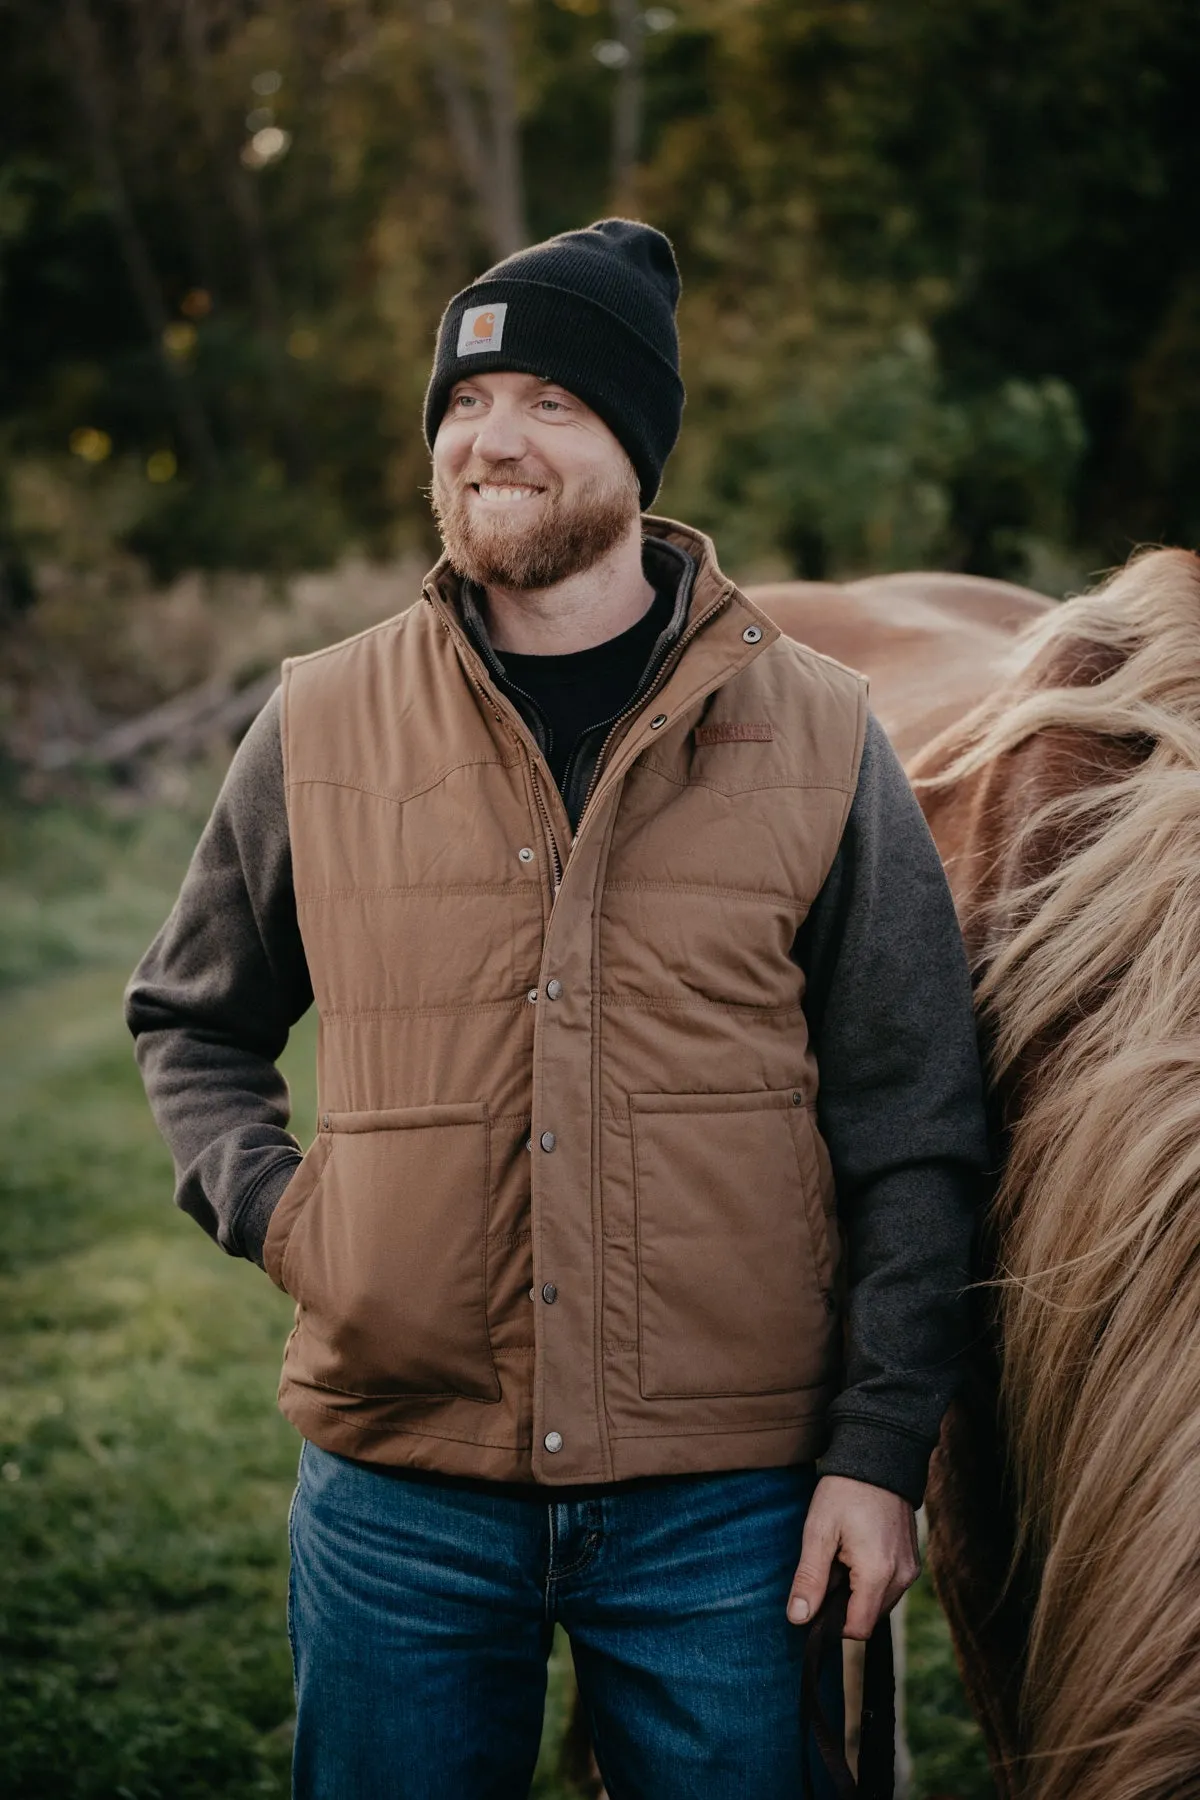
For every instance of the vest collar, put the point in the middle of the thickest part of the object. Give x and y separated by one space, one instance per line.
714 632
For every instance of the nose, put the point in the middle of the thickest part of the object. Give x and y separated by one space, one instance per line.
501 434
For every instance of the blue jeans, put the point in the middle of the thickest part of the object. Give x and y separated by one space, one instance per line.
421 1612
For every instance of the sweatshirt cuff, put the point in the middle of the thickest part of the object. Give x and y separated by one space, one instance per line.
254 1215
887 1458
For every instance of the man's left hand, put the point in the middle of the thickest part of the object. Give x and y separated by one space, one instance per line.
874 1533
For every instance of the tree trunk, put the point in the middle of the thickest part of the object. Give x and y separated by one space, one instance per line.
242 199
490 160
509 231
628 102
87 70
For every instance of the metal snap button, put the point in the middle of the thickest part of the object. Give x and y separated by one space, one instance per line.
549 1293
529 1145
324 1121
553 1442
531 996
547 1140
752 634
554 990
797 1097
532 1295
525 854
658 721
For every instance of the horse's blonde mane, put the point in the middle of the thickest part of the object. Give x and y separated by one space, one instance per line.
1090 985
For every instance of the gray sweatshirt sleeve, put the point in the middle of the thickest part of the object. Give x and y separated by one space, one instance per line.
901 1108
214 998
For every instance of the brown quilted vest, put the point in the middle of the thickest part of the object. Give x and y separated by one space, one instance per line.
568 1216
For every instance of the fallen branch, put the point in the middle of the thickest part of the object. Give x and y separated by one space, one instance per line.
187 725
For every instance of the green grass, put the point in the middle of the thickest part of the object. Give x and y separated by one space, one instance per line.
145 1473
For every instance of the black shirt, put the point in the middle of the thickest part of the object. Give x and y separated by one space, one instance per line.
577 692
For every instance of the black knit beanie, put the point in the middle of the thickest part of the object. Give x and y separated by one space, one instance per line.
593 310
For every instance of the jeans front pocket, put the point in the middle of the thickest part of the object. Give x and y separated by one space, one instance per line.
731 1296
386 1261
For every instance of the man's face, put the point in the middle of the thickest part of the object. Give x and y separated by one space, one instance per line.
529 485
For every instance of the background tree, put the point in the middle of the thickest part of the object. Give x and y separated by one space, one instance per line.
942 301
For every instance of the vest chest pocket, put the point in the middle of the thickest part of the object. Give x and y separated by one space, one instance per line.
733 1256
383 1251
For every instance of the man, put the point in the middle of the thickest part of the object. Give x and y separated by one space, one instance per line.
594 877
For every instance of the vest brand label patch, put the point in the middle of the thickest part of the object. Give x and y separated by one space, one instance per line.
482 328
733 731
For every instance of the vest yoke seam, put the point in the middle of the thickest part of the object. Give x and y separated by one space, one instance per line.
362 787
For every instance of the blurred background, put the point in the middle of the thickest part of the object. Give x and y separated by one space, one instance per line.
941 309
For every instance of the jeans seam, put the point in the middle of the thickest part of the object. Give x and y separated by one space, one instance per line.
291 1589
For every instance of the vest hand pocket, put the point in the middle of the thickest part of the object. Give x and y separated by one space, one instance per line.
386 1259
290 1207
734 1262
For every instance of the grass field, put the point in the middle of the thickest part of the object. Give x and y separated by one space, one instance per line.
144 1471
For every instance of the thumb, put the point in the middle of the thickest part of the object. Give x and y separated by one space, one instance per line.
811 1578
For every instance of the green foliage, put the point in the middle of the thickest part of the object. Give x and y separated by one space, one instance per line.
869 465
940 294
946 1744
257 521
81 887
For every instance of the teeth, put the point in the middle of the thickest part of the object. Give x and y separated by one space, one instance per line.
506 495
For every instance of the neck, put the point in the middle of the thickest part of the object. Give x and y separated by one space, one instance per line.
586 609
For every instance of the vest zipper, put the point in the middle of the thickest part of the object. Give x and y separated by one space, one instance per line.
640 699
556 862
548 829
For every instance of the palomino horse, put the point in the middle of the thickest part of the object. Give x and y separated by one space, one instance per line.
1061 779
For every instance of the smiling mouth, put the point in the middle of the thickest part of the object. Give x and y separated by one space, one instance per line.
505 493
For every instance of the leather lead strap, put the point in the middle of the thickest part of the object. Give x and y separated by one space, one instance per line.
877 1737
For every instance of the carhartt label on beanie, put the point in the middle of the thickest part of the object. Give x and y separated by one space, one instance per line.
482 329
593 310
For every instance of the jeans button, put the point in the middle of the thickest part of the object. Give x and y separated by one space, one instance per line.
547 1140
549 1293
553 990
553 1442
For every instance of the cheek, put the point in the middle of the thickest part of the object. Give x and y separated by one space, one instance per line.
451 450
